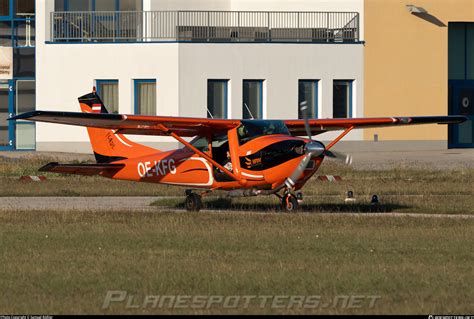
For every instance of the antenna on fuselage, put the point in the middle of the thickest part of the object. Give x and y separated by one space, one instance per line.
210 114
248 110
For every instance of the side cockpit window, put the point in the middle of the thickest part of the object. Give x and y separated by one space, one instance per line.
200 143
219 144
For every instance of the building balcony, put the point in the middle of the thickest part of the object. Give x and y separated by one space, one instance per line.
204 26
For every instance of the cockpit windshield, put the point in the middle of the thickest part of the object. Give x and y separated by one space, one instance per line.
251 129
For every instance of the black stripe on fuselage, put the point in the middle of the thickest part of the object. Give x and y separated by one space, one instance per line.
273 155
107 159
195 169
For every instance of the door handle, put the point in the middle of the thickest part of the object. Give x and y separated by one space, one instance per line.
10 115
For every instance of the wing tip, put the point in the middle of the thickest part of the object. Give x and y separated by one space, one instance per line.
24 116
449 119
460 118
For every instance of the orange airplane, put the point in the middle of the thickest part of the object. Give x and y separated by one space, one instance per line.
243 157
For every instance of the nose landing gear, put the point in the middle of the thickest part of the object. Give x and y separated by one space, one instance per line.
289 202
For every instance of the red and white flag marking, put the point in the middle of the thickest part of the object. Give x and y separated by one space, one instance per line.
32 178
329 178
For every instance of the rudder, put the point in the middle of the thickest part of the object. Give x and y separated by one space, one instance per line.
108 146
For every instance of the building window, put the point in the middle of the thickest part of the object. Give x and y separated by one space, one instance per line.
217 99
25 8
461 51
145 97
5 34
130 5
25 102
4 111
25 96
342 98
108 92
252 99
308 91
25 136
24 34
18 30
77 5
23 62
4 7
106 5
97 5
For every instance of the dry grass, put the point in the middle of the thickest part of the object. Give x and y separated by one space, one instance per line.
65 262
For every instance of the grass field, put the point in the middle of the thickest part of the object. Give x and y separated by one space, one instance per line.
65 262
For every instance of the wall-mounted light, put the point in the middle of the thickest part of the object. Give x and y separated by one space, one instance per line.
414 9
423 14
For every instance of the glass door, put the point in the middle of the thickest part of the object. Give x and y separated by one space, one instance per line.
461 102
6 111
25 132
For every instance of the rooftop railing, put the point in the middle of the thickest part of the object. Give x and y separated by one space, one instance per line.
204 26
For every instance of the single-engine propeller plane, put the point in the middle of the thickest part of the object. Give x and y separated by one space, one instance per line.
243 157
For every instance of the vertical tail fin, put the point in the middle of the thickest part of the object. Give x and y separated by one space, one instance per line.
108 145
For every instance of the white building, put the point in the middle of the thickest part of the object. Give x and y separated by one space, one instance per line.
228 58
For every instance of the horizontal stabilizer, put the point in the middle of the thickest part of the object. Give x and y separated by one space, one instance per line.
107 170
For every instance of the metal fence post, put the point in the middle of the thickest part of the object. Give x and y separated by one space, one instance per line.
177 26
269 37
298 27
327 27
238 26
357 35
51 34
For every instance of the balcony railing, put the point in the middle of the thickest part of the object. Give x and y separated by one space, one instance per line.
204 26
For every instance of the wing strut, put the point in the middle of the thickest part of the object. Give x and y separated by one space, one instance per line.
168 132
347 130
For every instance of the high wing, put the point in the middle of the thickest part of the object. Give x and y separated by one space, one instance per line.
134 124
183 126
319 126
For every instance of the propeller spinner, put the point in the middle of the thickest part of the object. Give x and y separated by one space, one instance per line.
312 149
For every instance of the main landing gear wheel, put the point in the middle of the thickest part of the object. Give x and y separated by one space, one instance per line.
193 202
289 203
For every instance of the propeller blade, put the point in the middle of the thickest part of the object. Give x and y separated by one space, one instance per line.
312 149
339 156
291 181
304 112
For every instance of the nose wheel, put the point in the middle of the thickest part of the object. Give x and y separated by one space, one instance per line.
289 202
193 202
